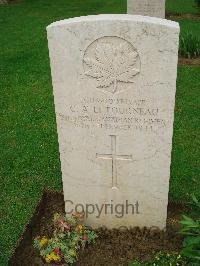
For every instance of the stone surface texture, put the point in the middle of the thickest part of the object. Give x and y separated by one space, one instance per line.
152 8
114 83
3 2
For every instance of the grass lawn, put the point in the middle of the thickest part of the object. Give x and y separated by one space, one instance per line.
28 139
192 26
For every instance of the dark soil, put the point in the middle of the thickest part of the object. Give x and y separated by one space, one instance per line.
188 61
174 16
112 246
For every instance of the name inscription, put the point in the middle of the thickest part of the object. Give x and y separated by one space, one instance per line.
144 6
115 114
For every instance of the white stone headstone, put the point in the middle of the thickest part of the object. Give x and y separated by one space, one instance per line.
152 8
3 2
114 83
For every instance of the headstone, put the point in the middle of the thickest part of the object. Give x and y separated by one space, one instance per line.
3 2
114 83
152 8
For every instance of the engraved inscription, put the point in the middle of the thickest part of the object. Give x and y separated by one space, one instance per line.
114 157
120 114
111 61
146 7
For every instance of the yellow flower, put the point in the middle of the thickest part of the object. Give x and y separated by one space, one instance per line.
179 256
172 221
43 241
48 258
56 257
52 257
79 228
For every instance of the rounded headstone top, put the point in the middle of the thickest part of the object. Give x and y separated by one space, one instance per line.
116 17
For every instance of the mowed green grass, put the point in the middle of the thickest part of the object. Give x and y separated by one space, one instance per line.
185 172
189 26
29 159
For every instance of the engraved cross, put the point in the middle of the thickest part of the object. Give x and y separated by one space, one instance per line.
114 157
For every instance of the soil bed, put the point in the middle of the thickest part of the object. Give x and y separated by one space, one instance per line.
174 16
112 246
188 61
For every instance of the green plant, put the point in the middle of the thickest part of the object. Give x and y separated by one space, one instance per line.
167 259
134 263
163 259
68 237
189 45
191 229
198 3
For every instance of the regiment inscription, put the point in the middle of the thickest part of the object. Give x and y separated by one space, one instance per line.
118 114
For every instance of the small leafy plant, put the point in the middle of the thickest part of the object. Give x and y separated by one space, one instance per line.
68 237
163 259
189 46
191 229
167 259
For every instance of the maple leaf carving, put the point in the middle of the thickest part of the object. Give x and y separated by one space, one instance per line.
111 64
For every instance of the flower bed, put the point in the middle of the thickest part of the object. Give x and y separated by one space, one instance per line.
112 247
